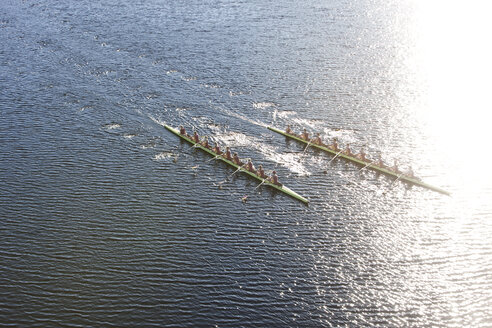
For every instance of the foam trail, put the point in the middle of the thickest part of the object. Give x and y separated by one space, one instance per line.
235 139
156 120
244 118
288 160
286 113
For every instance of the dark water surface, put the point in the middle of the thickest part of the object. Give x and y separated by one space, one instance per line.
108 220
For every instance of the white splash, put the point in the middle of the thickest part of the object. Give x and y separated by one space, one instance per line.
263 105
288 160
286 113
147 146
163 155
211 86
112 126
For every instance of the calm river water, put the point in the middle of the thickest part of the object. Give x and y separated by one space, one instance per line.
108 220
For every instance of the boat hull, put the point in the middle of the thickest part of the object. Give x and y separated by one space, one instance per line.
282 188
360 162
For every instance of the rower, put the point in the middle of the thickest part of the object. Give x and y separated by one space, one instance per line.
380 162
274 179
347 150
288 130
250 167
317 140
182 130
334 144
411 174
196 138
362 155
395 166
217 149
261 172
205 142
305 135
227 154
237 160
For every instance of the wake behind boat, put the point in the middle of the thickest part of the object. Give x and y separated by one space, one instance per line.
360 160
269 181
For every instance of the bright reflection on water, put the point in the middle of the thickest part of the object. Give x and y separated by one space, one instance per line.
448 64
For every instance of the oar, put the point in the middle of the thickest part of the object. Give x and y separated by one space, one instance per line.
264 180
397 178
307 146
238 169
245 197
392 183
229 176
335 156
309 142
197 166
368 165
217 156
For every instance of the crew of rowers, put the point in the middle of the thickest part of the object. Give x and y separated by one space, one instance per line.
232 157
347 151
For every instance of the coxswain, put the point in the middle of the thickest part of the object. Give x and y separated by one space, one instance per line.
334 144
227 154
196 137
217 149
347 150
274 179
305 135
236 160
288 130
261 172
182 130
250 167
205 142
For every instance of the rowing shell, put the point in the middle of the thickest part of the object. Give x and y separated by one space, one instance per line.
282 188
374 167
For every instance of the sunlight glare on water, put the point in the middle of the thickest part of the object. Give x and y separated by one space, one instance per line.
450 65
453 50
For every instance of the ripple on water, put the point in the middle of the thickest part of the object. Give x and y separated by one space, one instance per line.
98 229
